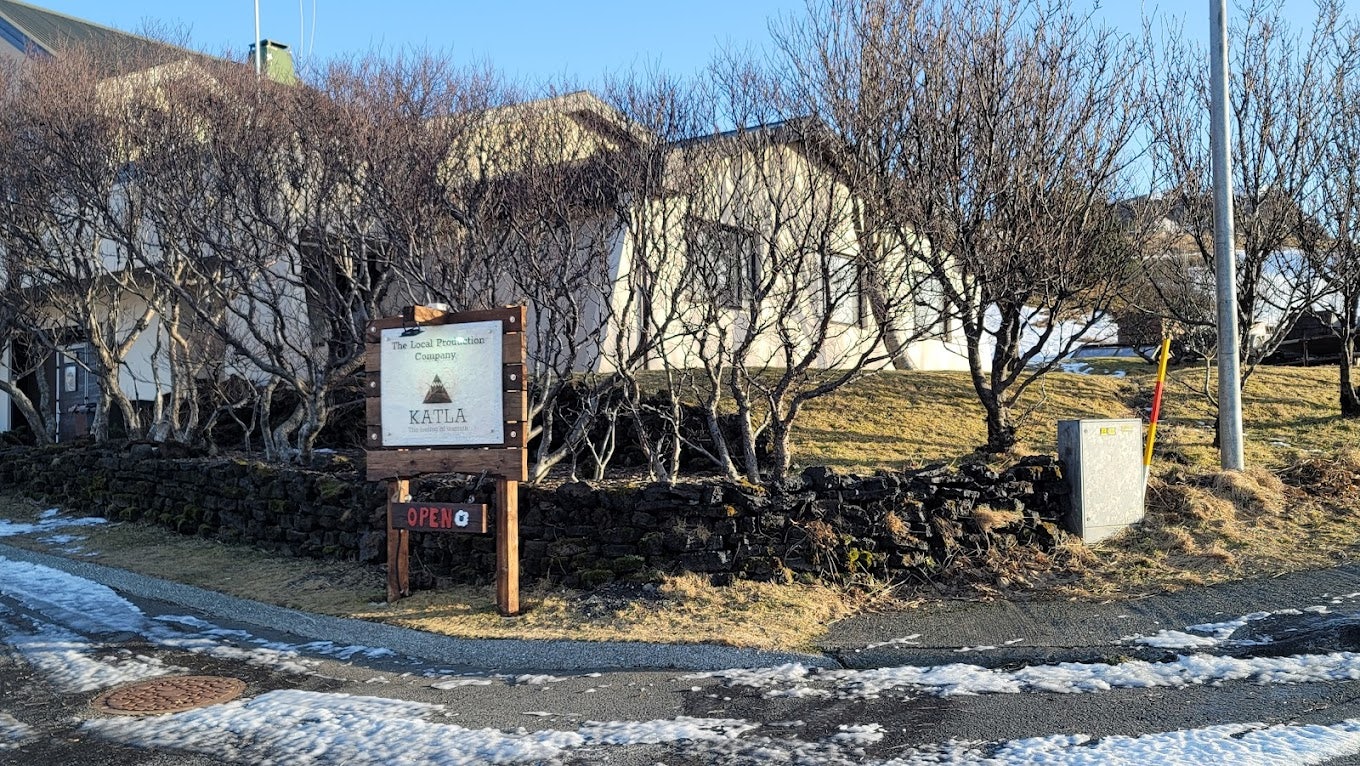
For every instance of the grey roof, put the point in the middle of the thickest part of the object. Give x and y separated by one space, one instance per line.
27 28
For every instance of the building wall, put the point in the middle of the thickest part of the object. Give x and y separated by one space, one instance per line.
729 194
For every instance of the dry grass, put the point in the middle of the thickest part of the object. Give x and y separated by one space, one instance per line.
1289 413
1214 526
898 419
684 608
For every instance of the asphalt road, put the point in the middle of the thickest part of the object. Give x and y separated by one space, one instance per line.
792 729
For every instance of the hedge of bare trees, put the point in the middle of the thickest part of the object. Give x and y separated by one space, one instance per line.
701 259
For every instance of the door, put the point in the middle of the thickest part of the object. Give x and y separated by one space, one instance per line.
75 395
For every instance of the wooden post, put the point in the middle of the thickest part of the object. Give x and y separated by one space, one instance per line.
398 544
507 547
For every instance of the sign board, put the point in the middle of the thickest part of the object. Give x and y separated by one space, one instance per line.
442 385
439 517
446 394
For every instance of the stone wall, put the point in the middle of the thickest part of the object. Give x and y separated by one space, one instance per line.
820 524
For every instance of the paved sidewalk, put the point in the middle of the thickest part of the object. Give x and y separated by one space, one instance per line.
481 654
1066 631
992 634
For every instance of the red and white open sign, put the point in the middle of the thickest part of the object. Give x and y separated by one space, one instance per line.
439 517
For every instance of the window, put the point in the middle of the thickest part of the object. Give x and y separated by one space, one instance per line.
722 262
924 317
843 295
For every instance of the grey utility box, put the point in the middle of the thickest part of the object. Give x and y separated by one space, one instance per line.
1103 463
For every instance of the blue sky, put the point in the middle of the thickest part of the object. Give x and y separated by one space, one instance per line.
579 40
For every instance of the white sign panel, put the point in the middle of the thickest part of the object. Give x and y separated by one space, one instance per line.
443 386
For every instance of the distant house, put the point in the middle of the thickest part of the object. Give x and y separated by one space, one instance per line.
730 243
1314 338
28 31
722 235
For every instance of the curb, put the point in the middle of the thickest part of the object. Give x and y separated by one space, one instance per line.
488 654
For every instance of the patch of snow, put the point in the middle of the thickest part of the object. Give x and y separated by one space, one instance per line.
798 692
81 606
14 733
73 664
858 734
455 683
1062 678
305 728
537 679
964 649
1317 609
1174 639
1224 630
1249 744
1218 633
48 521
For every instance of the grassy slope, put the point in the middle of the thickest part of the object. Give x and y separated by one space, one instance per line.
899 419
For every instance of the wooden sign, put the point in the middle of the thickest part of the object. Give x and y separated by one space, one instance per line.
439 517
446 394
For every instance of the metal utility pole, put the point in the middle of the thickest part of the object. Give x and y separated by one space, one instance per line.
259 67
1225 247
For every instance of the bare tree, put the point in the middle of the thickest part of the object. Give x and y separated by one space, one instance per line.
75 219
1276 94
1330 235
998 134
303 212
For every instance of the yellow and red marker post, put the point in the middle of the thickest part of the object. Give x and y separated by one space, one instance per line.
1156 408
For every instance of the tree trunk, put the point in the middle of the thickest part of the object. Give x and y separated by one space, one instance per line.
1000 428
41 433
781 457
1350 401
722 455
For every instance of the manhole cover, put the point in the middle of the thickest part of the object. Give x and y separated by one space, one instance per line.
169 695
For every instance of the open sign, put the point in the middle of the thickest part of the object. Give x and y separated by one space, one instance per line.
439 517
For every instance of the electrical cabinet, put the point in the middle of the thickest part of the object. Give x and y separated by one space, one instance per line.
1103 464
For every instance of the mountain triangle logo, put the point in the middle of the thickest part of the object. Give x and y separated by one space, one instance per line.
437 393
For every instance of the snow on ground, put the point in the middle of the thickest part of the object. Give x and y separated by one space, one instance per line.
303 728
1250 744
73 664
14 733
1175 639
79 606
1211 634
48 521
314 729
459 682
1062 678
78 603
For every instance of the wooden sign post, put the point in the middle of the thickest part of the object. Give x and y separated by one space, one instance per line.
446 394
